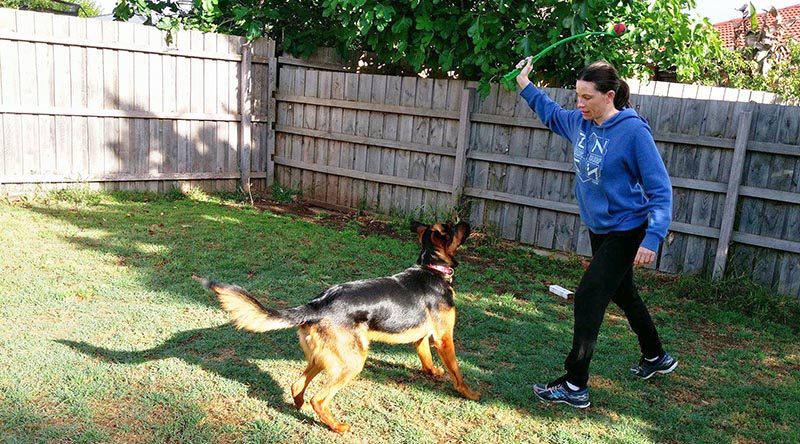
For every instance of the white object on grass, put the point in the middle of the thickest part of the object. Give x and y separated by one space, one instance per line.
560 291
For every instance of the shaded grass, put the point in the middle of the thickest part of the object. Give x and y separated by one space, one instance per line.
107 339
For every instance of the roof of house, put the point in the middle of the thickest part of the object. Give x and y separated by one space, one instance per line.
791 19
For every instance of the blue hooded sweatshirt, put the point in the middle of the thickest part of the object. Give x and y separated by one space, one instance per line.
621 180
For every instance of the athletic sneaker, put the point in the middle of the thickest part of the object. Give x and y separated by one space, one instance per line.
664 364
558 391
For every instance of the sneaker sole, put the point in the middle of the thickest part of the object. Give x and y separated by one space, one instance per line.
561 401
663 372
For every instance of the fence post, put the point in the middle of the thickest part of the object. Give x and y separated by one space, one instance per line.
460 170
732 195
272 86
245 110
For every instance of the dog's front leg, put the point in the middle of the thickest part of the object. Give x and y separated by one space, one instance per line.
447 352
424 352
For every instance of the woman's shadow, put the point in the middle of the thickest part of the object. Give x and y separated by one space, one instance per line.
211 349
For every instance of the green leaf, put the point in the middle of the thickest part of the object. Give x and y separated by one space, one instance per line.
474 29
122 11
401 25
446 60
424 23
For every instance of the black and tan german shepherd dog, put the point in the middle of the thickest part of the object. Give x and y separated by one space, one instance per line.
335 328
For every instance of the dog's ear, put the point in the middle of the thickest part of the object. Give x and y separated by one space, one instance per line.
461 233
419 228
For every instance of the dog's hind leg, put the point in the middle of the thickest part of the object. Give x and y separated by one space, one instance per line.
343 358
310 342
299 386
424 352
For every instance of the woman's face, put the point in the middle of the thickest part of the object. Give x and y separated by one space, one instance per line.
593 104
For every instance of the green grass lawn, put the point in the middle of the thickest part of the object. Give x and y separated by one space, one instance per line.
104 337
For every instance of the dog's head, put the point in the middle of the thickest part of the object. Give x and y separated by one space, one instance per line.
440 242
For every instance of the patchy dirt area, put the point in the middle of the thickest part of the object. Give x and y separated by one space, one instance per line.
368 224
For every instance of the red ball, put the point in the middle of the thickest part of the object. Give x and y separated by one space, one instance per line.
619 28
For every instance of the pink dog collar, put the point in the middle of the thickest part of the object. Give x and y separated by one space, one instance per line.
444 269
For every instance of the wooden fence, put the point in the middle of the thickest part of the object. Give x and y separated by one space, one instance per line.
416 145
112 105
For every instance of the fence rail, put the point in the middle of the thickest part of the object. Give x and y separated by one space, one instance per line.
111 104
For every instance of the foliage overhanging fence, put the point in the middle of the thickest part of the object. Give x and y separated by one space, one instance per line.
160 116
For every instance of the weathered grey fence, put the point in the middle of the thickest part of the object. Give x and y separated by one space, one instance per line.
421 145
110 104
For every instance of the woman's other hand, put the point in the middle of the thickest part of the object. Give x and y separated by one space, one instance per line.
644 256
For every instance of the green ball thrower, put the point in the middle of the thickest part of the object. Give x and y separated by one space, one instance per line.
510 80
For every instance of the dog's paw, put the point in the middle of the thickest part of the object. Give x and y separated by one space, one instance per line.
435 372
470 394
340 427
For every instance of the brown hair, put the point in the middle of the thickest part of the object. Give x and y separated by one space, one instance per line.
606 78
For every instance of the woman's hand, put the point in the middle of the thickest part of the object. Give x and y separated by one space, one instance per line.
526 66
644 256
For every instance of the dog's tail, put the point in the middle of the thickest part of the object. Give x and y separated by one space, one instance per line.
248 314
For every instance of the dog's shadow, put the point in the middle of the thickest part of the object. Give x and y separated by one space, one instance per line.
221 350
233 354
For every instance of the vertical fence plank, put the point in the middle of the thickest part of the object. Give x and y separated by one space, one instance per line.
245 107
405 129
533 177
752 217
322 145
373 158
335 147
720 263
788 271
551 185
672 251
285 116
271 104
741 256
773 213
28 152
198 147
170 104
496 173
297 141
308 145
360 150
455 89
436 135
460 168
346 160
416 196
388 155
701 165
481 136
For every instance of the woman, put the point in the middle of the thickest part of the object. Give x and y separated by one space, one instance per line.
625 199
